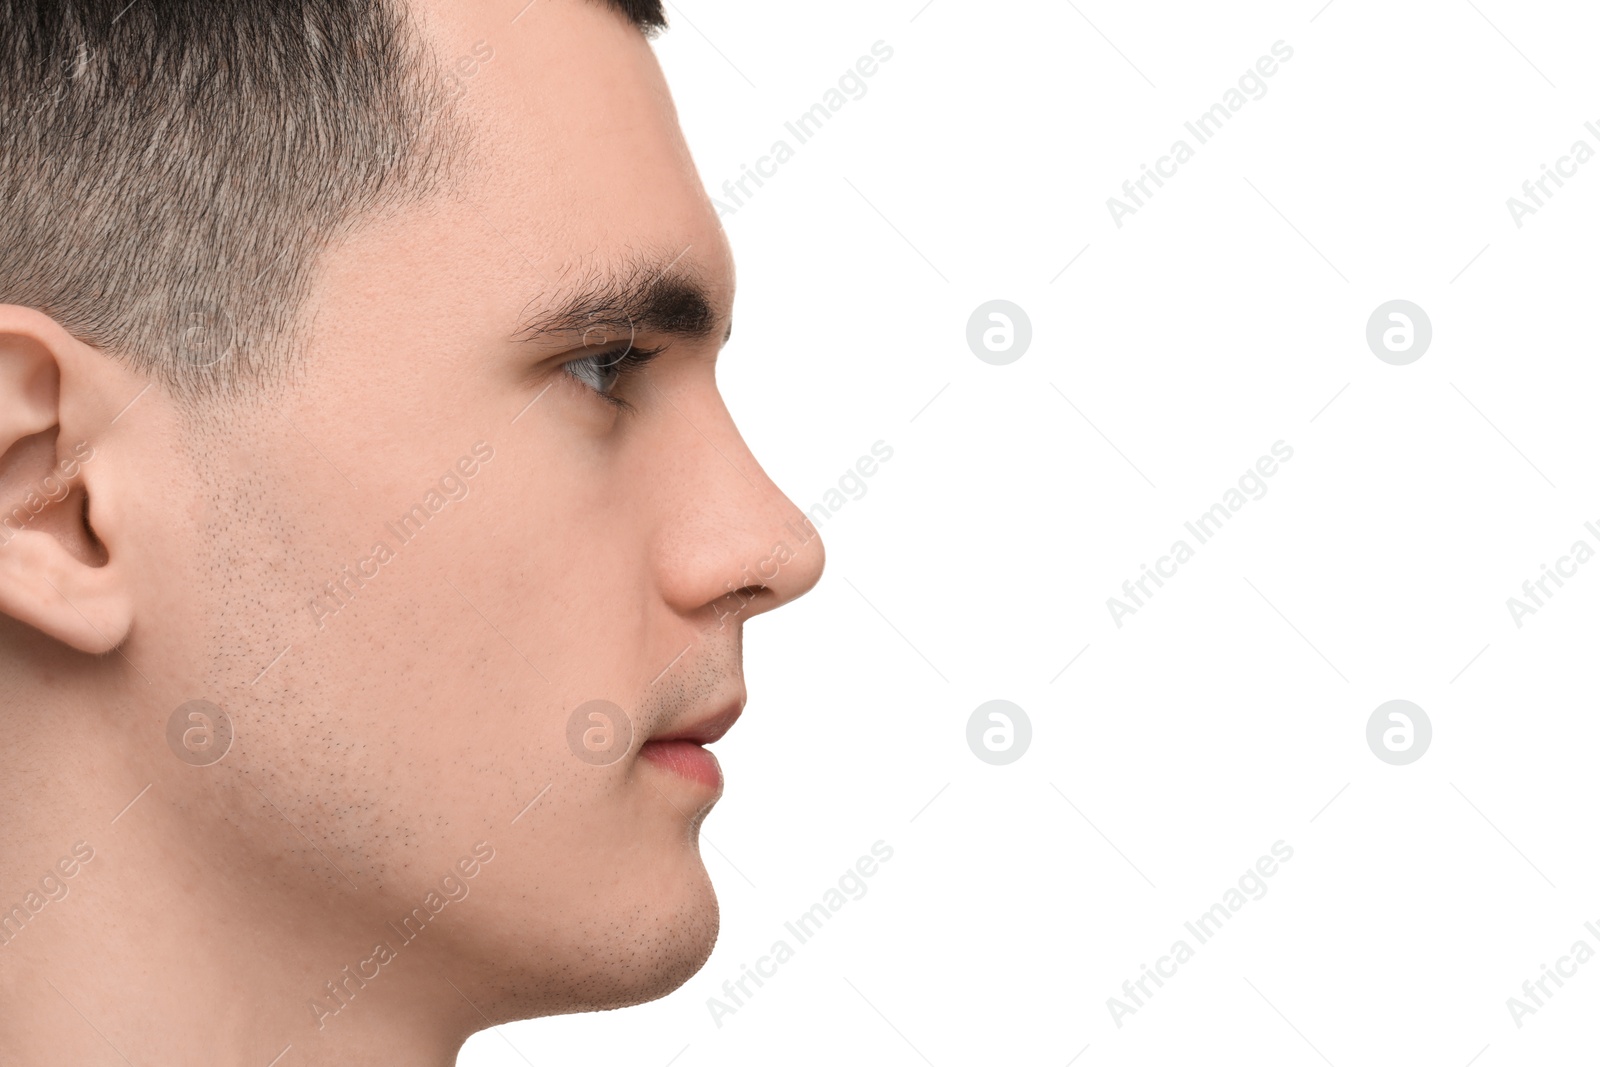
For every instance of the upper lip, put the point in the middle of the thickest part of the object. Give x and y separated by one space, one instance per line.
707 728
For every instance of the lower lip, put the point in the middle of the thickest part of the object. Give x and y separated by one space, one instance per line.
685 759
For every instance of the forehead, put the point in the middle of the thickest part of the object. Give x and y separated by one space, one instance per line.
575 143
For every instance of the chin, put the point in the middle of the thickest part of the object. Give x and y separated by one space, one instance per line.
670 962
667 937
637 940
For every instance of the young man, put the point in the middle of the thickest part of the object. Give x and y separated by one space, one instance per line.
375 547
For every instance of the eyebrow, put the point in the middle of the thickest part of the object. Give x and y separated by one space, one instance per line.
643 297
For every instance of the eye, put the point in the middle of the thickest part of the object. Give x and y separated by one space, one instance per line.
602 371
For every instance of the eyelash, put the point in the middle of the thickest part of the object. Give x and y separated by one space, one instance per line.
622 362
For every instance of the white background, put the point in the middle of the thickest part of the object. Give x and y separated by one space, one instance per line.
1230 712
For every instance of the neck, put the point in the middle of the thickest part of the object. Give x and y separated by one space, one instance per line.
139 921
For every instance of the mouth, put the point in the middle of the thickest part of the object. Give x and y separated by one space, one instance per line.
681 750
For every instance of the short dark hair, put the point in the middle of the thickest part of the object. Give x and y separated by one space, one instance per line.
171 169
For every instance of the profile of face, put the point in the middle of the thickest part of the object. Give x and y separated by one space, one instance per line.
407 664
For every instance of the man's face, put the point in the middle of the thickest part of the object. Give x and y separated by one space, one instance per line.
403 578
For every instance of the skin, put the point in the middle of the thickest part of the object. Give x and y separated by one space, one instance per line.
599 554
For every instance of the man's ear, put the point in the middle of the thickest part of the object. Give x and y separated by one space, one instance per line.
56 574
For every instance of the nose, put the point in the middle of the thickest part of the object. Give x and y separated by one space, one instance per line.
731 541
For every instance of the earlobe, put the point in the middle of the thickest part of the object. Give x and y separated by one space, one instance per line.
55 572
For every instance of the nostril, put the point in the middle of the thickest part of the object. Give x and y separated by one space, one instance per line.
732 604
